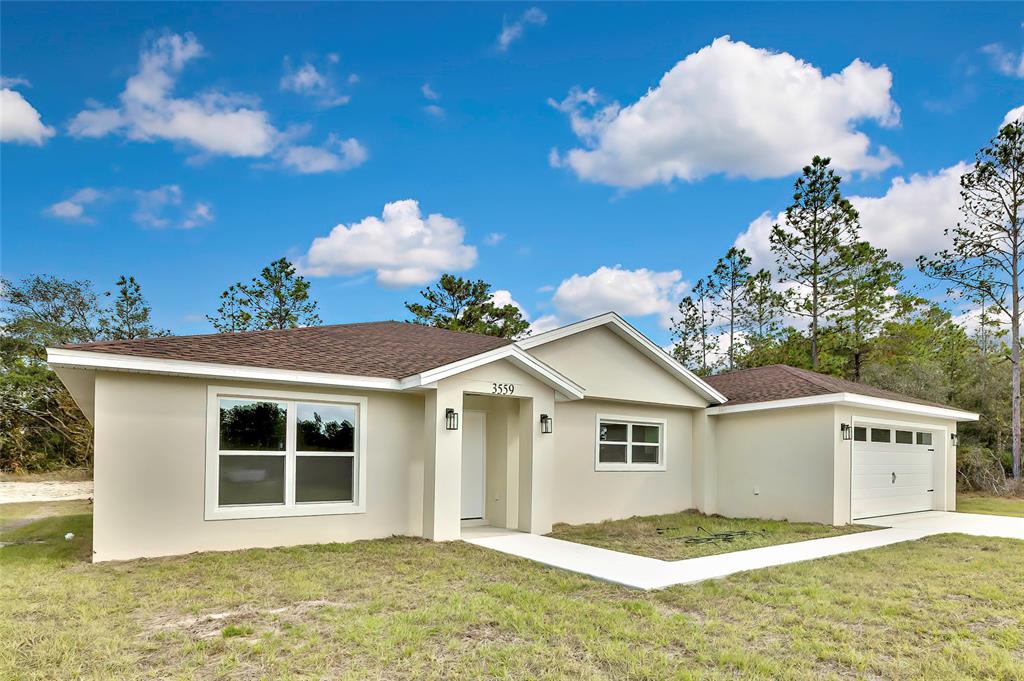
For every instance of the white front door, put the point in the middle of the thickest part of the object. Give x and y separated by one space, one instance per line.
474 457
893 470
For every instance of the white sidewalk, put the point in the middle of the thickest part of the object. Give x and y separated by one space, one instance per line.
639 572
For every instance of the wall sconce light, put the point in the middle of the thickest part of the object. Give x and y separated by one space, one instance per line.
547 424
954 439
846 430
451 419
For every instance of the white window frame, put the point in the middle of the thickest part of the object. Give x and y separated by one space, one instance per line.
629 421
290 508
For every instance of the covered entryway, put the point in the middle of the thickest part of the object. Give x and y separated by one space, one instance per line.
893 469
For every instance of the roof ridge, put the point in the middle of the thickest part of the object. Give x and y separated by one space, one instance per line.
812 377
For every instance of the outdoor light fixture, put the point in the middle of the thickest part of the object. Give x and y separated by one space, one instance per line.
847 431
451 419
954 439
547 424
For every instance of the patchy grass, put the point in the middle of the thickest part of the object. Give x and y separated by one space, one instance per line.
665 536
60 474
16 515
990 505
945 607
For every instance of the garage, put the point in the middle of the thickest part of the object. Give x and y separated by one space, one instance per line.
893 469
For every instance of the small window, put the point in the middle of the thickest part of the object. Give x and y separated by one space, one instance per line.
625 445
860 433
924 439
881 435
904 437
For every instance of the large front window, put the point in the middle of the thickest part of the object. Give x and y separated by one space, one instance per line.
273 453
628 443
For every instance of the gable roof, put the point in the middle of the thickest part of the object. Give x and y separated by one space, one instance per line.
783 385
645 345
378 349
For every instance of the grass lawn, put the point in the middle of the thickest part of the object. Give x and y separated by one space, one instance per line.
61 474
664 536
944 607
990 505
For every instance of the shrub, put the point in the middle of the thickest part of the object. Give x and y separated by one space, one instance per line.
980 469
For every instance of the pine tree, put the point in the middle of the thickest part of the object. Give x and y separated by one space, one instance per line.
465 305
276 299
730 278
129 318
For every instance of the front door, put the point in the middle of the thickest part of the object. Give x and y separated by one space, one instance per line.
474 457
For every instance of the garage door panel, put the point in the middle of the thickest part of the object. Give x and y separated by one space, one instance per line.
889 478
868 508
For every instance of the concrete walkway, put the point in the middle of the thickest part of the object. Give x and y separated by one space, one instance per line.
639 572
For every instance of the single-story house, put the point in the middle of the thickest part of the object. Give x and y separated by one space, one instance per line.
356 431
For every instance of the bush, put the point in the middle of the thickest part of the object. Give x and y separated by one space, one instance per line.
980 469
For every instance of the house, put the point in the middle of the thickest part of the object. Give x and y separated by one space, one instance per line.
356 431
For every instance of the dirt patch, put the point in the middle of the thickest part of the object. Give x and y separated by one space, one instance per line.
49 490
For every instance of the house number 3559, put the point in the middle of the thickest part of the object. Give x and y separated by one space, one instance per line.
503 388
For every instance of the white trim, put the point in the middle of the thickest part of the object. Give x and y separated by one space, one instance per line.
626 331
629 421
290 507
177 367
852 399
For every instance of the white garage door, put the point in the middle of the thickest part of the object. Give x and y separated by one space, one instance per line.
893 470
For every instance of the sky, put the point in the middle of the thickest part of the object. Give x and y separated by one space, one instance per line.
579 157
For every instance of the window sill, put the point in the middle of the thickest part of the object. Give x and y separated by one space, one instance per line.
313 509
629 467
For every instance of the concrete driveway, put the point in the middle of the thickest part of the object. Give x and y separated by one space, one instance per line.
940 522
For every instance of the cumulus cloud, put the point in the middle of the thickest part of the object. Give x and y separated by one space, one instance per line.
336 155
73 208
731 109
1014 115
511 32
402 247
544 323
307 81
1007 62
908 220
19 120
637 293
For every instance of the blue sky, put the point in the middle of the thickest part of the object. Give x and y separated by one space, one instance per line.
191 144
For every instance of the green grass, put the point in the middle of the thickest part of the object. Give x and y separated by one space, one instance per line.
944 607
59 474
665 536
990 505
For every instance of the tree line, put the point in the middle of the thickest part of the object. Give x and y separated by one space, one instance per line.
833 303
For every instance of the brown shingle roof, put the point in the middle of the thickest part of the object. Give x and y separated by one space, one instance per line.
378 349
783 382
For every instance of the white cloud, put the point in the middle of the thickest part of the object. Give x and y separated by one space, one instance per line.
637 293
402 247
1007 62
307 81
200 214
511 32
434 110
494 238
545 323
212 121
13 82
429 92
736 110
72 209
336 155
19 120
908 220
503 297
1014 115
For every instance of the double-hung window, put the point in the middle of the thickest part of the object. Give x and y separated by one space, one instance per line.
273 453
630 444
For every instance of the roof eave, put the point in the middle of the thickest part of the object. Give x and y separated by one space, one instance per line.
850 399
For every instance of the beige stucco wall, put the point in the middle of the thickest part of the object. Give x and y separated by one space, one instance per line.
787 454
582 494
150 471
608 367
944 498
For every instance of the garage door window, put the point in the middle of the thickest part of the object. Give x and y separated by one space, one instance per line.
630 444
280 454
904 437
881 435
924 439
860 434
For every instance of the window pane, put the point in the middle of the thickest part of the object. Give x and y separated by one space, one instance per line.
880 435
904 437
646 434
324 478
613 432
248 479
612 454
645 454
924 438
860 433
254 425
326 428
